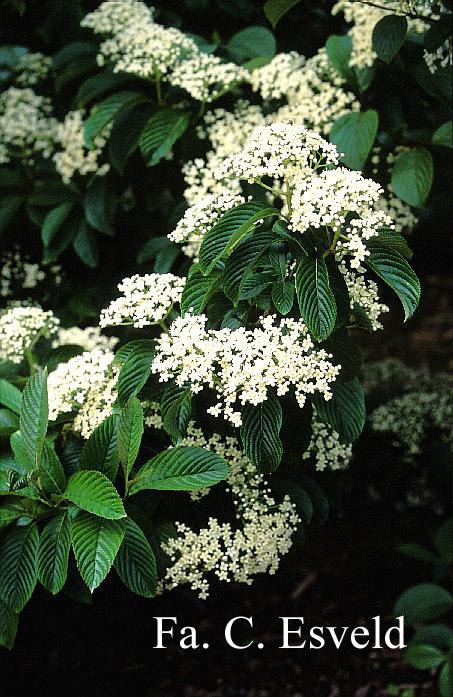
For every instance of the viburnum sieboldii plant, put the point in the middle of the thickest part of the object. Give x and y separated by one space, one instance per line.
244 371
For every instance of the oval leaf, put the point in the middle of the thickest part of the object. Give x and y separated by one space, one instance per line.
135 562
53 553
93 492
96 542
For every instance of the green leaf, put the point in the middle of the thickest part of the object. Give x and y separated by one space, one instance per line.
53 553
444 135
20 453
345 411
393 239
93 492
260 433
125 135
105 112
423 603
180 469
135 371
8 422
316 300
85 245
283 296
339 49
229 230
243 260
354 135
389 265
160 134
10 396
99 204
34 416
96 542
18 576
446 680
438 635
8 514
415 551
198 291
276 9
424 657
135 562
100 452
8 625
412 176
51 472
130 432
389 35
97 85
175 407
53 222
252 42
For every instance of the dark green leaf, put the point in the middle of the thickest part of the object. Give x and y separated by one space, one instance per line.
345 411
229 230
243 260
34 414
316 300
53 222
283 296
10 396
175 407
339 50
412 176
389 35
18 577
130 432
99 204
424 656
135 371
96 542
8 625
125 135
276 9
252 42
105 112
53 553
198 291
93 492
423 603
181 469
444 135
135 562
85 245
354 135
160 134
389 265
8 209
100 451
51 472
260 433
98 85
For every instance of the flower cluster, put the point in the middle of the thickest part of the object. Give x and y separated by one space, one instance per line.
74 155
146 300
326 447
275 79
89 338
17 272
26 126
241 364
113 15
199 218
31 68
263 534
20 327
86 384
270 151
364 294
206 77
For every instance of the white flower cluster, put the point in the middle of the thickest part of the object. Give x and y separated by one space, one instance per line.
146 300
206 77
89 338
74 155
363 18
26 126
16 271
326 447
275 79
365 294
272 150
442 57
401 214
409 417
241 365
20 327
113 15
263 536
329 200
86 384
31 68
199 218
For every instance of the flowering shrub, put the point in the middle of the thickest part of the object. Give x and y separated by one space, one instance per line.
283 215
